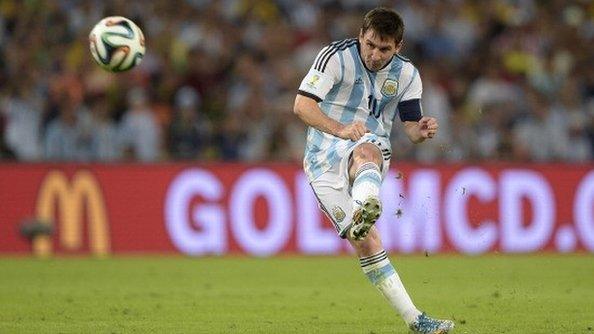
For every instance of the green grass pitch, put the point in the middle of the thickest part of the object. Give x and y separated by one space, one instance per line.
486 294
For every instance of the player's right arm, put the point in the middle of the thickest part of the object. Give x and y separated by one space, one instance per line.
323 75
310 113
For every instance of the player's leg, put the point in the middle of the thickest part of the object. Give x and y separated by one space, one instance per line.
379 270
365 175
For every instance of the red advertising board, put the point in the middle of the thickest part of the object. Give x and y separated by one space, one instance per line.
269 209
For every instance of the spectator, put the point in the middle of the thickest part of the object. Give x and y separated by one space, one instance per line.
139 133
67 137
105 144
22 111
189 131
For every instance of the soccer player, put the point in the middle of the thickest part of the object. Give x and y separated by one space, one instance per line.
349 99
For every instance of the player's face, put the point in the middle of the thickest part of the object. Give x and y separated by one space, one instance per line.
375 51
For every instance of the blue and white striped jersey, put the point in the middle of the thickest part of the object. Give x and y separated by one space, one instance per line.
346 92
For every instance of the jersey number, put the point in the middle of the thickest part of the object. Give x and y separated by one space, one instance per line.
373 108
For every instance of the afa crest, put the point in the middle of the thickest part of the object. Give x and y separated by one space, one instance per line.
338 213
389 88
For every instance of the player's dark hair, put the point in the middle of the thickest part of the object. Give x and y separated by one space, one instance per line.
385 22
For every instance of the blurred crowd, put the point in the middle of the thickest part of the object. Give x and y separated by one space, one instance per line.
507 79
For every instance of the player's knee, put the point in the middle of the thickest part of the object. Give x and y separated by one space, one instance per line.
362 154
365 153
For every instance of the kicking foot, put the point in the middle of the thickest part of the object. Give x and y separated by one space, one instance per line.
365 217
426 325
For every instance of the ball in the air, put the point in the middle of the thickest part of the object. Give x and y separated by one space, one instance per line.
117 44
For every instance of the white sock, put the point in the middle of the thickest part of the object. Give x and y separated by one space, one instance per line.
368 179
383 276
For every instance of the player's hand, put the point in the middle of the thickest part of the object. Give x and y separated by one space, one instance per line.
353 131
428 127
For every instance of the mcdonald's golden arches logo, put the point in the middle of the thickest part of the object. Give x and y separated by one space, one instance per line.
57 194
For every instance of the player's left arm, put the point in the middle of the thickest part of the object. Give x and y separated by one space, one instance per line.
417 127
423 129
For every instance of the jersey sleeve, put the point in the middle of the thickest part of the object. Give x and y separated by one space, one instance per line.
323 74
409 107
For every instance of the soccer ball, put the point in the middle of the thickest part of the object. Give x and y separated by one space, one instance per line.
117 44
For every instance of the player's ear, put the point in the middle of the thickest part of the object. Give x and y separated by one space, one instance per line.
399 46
